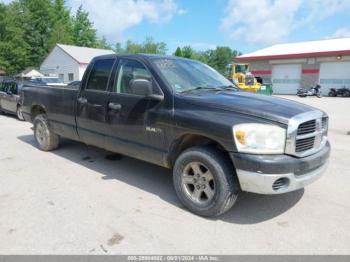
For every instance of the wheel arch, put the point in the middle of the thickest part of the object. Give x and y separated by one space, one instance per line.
187 141
37 109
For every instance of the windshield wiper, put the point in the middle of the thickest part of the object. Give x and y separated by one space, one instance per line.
229 87
204 88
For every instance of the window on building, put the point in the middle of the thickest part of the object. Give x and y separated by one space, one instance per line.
99 74
70 77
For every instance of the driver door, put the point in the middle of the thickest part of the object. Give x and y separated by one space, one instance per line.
133 120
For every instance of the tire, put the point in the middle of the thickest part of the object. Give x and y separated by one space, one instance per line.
346 94
45 138
19 113
205 181
331 94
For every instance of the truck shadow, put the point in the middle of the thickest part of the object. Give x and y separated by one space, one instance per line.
249 209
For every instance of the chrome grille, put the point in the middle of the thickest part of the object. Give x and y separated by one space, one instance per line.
302 145
307 127
307 133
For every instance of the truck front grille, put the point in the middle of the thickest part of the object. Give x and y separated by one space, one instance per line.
307 133
307 127
302 145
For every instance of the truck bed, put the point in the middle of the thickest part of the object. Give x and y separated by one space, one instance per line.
59 103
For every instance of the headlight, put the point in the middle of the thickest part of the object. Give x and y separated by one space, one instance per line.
259 138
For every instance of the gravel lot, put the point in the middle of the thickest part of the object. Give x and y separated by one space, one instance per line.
75 201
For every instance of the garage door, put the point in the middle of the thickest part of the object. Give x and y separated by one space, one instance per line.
334 75
286 78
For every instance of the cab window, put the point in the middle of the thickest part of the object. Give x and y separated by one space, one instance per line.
99 75
129 70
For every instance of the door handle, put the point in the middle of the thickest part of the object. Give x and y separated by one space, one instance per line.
114 106
82 100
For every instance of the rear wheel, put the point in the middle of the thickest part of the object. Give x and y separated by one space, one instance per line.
205 181
19 113
46 139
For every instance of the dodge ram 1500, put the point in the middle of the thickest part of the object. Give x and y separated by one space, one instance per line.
183 115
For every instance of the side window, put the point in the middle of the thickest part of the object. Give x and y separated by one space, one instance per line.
129 70
99 75
13 88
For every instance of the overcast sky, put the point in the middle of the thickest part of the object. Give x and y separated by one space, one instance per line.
245 25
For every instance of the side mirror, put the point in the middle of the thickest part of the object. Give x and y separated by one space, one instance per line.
143 87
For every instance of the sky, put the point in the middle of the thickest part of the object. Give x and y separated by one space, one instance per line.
244 25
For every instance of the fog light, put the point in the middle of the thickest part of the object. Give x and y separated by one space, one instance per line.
281 183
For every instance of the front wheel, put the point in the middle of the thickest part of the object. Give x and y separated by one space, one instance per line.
45 138
205 181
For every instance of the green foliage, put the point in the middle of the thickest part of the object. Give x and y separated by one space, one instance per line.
178 52
84 33
102 43
29 29
218 58
149 46
62 27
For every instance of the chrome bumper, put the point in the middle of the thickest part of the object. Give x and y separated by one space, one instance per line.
268 184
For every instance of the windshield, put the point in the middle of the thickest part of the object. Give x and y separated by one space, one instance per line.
241 68
187 75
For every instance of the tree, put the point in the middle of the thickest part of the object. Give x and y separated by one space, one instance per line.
217 58
102 43
187 52
62 26
35 18
178 52
13 48
119 49
152 47
149 46
83 32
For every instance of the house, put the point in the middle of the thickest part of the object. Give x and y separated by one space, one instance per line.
305 64
29 73
70 62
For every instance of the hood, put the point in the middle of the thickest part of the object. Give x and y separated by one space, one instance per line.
263 106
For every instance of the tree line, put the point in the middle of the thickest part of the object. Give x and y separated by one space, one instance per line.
29 29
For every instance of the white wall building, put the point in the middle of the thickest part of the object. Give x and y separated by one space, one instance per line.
70 62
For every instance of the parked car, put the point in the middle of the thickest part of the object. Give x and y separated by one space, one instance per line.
344 92
183 115
50 81
10 98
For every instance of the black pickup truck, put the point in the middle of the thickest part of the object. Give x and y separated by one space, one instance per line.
183 115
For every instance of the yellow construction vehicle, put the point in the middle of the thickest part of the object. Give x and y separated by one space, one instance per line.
240 75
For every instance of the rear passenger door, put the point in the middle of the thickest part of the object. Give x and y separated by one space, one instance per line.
91 109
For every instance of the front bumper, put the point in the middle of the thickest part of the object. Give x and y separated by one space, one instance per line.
269 174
